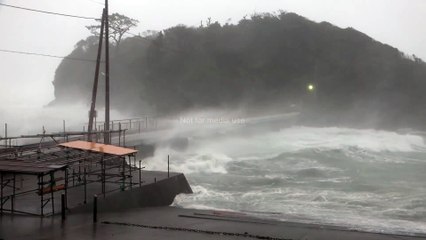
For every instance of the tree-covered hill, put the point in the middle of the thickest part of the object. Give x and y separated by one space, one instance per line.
267 60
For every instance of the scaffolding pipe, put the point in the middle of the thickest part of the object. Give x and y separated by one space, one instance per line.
130 172
5 134
1 194
119 134
85 185
13 192
66 188
52 183
95 208
140 173
103 176
40 181
63 206
63 128
123 186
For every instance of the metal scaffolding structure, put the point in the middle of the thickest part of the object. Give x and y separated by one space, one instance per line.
34 172
45 170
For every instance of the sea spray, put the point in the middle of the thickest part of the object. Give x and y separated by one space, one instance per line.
358 178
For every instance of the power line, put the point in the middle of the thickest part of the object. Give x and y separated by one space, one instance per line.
79 59
48 12
46 55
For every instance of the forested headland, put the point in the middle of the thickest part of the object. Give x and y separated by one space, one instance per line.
265 61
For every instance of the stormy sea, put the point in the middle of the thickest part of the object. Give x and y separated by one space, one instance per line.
362 179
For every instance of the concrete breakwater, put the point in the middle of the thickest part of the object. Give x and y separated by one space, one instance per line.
157 190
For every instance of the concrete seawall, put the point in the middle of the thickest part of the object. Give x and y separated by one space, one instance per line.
157 190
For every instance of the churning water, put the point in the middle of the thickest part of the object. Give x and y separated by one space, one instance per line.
362 179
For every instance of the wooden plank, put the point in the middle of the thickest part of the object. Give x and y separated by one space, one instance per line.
100 148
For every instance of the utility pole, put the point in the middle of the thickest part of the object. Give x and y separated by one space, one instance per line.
92 113
107 120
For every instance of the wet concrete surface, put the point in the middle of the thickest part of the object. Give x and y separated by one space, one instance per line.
172 223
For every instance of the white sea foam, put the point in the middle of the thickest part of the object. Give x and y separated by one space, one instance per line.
209 153
289 204
362 179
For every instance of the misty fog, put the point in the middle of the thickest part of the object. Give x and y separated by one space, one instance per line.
287 110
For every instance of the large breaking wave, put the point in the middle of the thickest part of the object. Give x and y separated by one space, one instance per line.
362 179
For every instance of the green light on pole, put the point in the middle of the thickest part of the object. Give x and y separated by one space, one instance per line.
311 87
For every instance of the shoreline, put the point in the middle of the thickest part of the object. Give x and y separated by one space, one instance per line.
175 223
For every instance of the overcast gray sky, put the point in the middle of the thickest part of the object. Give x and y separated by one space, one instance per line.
25 81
